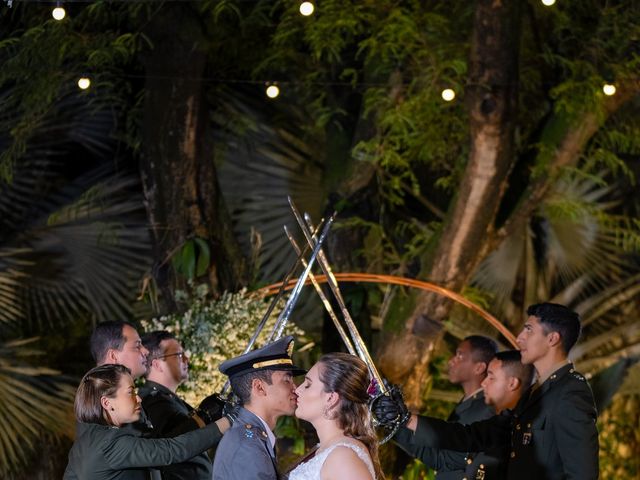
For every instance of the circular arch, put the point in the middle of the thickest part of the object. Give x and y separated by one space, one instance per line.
404 281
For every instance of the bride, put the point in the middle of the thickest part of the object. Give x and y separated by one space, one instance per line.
333 398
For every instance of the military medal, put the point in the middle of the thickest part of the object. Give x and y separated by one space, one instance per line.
526 438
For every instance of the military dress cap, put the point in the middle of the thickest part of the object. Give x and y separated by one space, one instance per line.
274 356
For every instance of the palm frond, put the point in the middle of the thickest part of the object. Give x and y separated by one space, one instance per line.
34 399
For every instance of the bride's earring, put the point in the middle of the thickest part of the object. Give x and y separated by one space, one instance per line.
325 413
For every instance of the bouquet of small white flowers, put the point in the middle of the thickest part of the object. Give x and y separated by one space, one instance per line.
212 331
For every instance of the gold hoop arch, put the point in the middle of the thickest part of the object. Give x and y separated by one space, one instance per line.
407 282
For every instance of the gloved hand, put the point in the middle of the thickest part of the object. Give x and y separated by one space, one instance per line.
390 410
230 411
211 408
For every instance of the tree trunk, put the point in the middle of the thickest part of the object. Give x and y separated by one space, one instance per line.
181 189
492 101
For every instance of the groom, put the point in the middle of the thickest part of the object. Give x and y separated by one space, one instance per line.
263 382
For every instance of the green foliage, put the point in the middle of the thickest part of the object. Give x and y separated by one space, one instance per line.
193 258
212 331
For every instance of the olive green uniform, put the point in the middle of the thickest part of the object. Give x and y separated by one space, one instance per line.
449 464
102 452
172 416
550 435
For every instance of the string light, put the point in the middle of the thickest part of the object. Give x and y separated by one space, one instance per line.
609 89
84 83
306 8
58 13
448 94
548 3
272 91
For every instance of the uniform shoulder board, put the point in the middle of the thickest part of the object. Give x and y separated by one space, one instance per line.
253 431
577 375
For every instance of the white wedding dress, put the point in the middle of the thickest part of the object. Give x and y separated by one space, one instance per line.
311 470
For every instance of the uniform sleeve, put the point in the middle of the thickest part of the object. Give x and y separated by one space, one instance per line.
167 420
576 433
437 459
128 451
476 437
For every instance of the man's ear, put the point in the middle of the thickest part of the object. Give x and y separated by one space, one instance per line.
112 356
513 384
553 338
257 387
479 368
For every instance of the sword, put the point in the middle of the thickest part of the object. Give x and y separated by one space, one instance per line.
323 297
274 302
283 319
361 348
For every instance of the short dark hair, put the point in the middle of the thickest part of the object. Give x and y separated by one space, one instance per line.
483 349
558 318
512 363
241 384
107 335
152 341
101 381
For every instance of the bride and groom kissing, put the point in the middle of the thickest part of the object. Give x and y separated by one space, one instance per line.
333 398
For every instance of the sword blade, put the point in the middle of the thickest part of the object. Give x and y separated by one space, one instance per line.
361 348
283 319
323 297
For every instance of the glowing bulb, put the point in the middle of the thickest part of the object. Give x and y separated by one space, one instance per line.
58 13
273 91
306 8
548 3
84 83
448 94
609 89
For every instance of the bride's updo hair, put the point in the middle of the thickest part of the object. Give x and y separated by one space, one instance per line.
348 376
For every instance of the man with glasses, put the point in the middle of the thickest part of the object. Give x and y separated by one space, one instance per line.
168 367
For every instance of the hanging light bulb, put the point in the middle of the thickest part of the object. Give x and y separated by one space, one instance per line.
609 89
58 13
448 94
306 8
84 83
272 91
548 3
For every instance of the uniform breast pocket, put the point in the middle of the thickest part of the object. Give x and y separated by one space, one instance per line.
537 436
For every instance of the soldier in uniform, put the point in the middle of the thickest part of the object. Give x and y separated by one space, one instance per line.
168 367
262 380
467 368
551 433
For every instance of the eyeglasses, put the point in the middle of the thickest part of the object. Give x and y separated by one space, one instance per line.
180 355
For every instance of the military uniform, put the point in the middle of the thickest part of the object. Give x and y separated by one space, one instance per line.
449 464
102 452
551 434
172 416
245 451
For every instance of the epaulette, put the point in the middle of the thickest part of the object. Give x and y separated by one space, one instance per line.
577 375
251 431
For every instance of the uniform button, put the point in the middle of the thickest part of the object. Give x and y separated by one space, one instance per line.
571 371
469 461
518 427
513 454
247 425
464 478
528 425
553 377
481 466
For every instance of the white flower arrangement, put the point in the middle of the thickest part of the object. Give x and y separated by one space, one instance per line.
212 331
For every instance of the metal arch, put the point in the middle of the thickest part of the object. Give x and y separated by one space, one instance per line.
407 282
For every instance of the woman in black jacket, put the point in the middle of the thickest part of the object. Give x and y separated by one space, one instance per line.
106 402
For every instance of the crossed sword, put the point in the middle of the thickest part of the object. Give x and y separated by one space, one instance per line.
355 345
